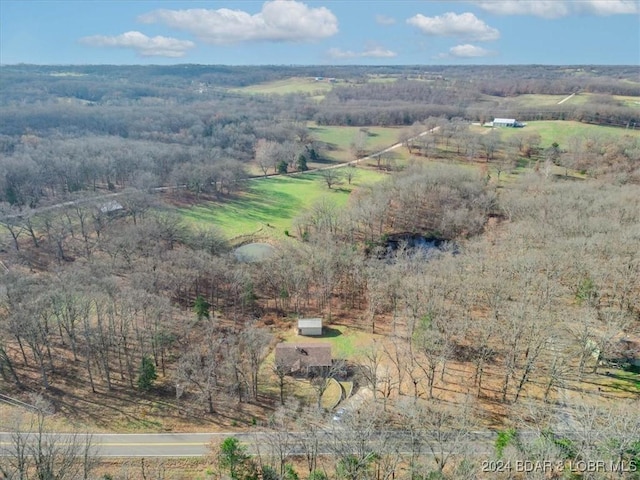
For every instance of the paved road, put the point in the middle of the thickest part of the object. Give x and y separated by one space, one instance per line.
156 445
197 444
139 445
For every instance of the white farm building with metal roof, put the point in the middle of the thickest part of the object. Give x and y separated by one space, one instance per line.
311 327
506 122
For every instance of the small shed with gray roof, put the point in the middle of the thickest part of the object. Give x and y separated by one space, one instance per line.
311 327
111 207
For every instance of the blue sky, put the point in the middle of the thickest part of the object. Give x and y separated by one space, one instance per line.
285 32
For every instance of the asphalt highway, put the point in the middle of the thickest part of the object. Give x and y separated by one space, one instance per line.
134 445
197 444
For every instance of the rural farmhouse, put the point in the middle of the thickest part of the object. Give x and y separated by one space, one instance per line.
303 358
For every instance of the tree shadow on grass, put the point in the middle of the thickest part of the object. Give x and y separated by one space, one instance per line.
323 160
328 332
255 205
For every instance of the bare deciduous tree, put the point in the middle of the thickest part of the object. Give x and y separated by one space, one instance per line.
32 451
332 177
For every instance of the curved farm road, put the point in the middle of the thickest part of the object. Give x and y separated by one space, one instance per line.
565 99
107 196
367 157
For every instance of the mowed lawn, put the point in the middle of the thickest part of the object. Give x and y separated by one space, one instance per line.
560 131
346 343
269 205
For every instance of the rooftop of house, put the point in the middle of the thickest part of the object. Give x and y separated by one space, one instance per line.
303 355
111 206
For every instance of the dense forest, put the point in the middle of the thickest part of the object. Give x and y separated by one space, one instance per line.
522 321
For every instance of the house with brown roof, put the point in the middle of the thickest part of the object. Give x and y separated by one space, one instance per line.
303 358
626 350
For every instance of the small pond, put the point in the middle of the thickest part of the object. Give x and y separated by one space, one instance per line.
254 252
414 243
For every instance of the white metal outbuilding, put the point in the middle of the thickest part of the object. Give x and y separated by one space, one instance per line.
310 326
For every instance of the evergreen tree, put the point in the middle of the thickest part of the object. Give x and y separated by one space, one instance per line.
201 307
282 167
233 457
302 163
147 374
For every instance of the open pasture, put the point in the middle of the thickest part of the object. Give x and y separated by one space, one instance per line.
338 139
269 205
380 78
539 100
288 85
628 101
560 131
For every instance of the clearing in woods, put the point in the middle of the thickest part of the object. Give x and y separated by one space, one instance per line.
269 205
288 85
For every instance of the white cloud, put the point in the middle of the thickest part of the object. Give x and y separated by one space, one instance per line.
371 52
379 52
146 46
539 8
559 8
610 7
385 20
468 51
465 25
278 21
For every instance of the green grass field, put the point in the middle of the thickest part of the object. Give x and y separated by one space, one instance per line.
269 205
346 343
628 101
559 131
340 139
537 100
381 79
288 85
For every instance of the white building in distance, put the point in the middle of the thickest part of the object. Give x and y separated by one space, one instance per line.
506 122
